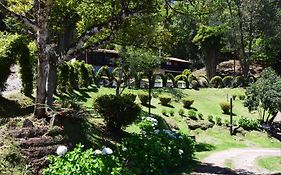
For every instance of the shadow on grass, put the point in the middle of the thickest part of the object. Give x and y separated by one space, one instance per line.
192 108
199 147
12 108
168 105
147 105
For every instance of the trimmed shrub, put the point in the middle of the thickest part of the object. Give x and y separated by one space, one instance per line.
225 106
192 114
181 112
216 82
200 116
218 121
211 118
172 112
186 72
242 97
227 81
248 124
73 75
203 82
239 81
117 111
187 102
130 96
164 111
144 98
195 84
165 99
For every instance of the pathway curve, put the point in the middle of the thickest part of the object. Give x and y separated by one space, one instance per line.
242 159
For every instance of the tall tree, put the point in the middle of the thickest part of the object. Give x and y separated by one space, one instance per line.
48 22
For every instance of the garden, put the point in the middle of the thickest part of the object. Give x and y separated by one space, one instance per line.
140 87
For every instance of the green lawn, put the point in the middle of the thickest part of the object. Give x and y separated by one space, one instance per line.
270 163
206 101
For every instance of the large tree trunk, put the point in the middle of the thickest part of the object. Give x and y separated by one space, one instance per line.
44 7
210 60
52 79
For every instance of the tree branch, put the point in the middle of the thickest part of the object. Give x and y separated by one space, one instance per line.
24 19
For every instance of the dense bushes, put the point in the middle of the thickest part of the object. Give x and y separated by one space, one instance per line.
187 102
216 82
74 75
165 99
157 153
248 124
85 162
130 96
14 48
117 111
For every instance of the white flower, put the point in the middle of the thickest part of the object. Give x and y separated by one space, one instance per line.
124 149
97 152
157 131
180 137
61 150
106 151
180 152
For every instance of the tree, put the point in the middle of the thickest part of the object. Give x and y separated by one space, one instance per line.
49 22
209 38
265 94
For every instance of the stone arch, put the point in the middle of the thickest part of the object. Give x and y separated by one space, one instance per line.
184 78
163 78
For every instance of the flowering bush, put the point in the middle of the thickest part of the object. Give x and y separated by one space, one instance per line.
157 153
86 162
148 124
117 111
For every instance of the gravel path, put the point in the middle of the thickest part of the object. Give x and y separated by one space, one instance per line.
242 159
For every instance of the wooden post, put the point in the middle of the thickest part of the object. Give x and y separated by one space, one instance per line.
230 122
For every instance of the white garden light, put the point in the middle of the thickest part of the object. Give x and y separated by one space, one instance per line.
97 152
61 150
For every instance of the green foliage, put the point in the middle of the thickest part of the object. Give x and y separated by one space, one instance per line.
200 116
171 77
63 84
74 74
164 111
211 118
165 99
13 48
265 93
84 77
85 162
186 72
216 82
181 112
172 112
117 111
187 102
239 81
195 84
209 36
191 78
144 98
192 114
131 96
227 81
182 77
234 96
225 107
104 70
242 97
143 152
218 121
138 77
248 124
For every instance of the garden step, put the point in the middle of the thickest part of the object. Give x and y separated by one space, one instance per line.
40 141
39 152
29 132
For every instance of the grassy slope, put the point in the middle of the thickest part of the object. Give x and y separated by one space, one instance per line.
270 163
206 102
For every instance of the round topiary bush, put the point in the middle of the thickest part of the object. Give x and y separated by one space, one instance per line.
239 81
187 102
227 81
225 106
117 111
144 98
130 96
165 99
216 82
192 114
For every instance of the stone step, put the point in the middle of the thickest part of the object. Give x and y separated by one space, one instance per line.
39 152
40 141
29 132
